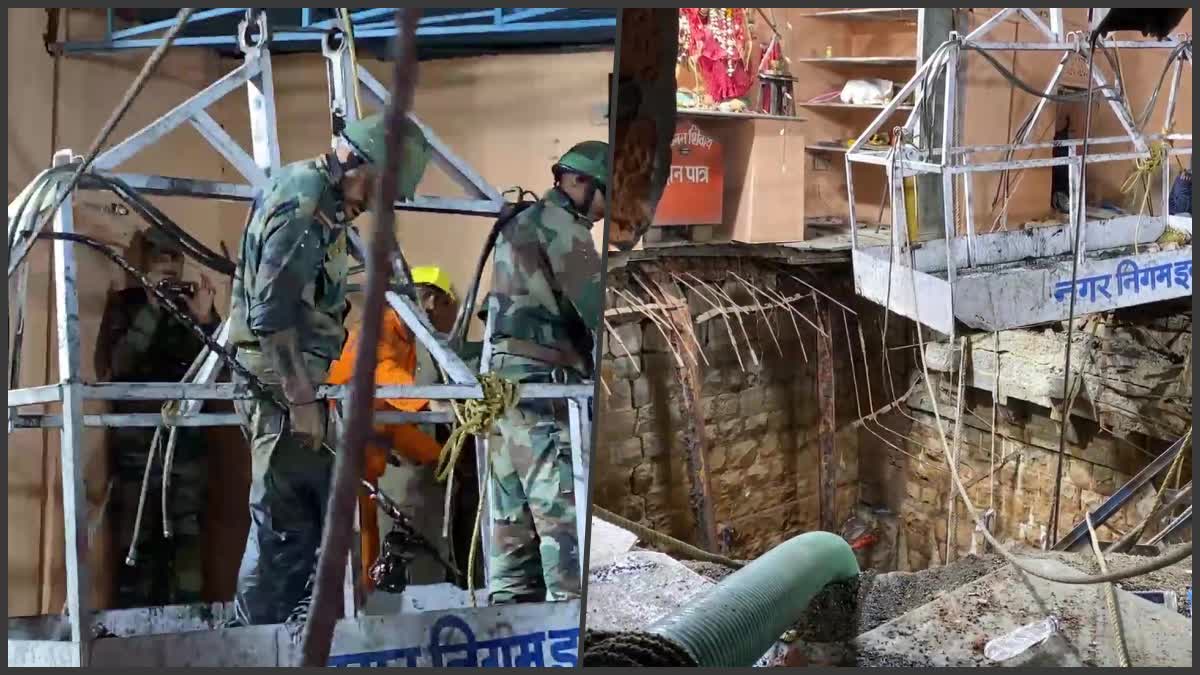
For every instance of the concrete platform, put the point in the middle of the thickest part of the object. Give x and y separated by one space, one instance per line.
952 629
637 589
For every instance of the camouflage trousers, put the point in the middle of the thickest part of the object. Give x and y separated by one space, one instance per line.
166 571
534 554
290 482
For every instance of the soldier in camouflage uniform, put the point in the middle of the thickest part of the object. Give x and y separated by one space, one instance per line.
140 342
289 303
547 296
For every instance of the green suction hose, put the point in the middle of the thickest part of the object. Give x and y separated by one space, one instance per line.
737 621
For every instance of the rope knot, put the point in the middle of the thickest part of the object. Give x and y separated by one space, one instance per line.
476 417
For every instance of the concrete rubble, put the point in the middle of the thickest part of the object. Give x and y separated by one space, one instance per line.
953 628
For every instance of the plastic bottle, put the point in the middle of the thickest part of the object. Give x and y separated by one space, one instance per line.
1021 639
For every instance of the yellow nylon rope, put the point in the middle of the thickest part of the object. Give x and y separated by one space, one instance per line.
475 417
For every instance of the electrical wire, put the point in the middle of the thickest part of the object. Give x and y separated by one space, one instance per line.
35 195
118 113
1141 122
1080 219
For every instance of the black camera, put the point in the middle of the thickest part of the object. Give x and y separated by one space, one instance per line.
177 288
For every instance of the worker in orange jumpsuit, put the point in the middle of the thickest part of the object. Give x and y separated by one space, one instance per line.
396 365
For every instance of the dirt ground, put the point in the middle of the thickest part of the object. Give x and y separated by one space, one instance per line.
842 611
845 610
710 571
1177 577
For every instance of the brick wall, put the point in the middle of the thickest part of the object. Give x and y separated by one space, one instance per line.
761 418
1096 465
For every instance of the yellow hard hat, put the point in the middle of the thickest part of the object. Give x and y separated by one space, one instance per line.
434 276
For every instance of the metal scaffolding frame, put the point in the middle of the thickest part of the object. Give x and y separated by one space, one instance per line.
366 24
256 166
963 280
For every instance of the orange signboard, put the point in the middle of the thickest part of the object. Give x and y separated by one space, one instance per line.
693 195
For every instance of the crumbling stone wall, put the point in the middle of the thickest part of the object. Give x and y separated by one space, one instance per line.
1022 492
761 418
1097 463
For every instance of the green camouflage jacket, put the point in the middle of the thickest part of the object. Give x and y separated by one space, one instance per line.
293 263
546 281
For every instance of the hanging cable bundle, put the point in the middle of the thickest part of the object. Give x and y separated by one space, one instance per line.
40 193
16 256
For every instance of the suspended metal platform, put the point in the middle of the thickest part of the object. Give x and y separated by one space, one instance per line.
1011 279
439 629
446 633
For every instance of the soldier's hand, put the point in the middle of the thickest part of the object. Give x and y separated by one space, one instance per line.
201 304
308 421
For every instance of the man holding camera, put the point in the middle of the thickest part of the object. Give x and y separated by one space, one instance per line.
141 342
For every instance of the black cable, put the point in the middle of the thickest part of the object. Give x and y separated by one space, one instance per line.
1020 84
1176 53
256 385
1081 218
118 113
53 178
467 309
1016 81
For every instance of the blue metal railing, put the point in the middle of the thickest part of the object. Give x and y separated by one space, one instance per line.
368 24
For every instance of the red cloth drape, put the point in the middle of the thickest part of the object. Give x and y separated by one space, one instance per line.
713 60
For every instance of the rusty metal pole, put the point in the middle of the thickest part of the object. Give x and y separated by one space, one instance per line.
348 467
694 433
828 418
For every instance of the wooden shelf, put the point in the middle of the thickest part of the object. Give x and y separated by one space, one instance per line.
691 112
860 60
903 14
871 106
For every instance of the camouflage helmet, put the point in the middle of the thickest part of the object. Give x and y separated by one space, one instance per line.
368 138
589 158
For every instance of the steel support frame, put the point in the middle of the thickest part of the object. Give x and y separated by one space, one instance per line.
71 391
956 160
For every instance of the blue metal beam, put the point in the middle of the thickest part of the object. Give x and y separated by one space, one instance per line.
382 31
167 23
522 14
431 20
354 16
452 18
